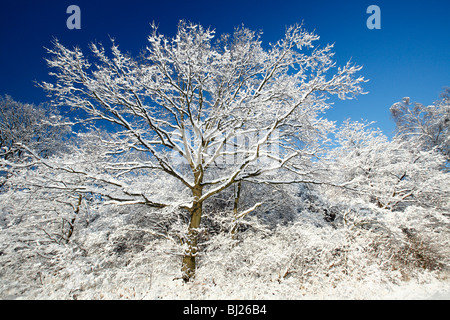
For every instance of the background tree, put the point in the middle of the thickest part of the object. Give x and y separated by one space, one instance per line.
391 174
204 112
428 127
40 128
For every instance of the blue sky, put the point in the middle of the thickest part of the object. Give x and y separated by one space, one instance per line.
408 56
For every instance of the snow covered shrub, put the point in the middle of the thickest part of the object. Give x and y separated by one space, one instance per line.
304 253
312 257
276 204
426 238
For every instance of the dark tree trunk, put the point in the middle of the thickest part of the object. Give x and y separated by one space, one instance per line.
189 263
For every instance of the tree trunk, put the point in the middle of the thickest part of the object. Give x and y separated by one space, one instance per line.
235 210
72 222
188 265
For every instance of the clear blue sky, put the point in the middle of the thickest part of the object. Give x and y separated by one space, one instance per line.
409 56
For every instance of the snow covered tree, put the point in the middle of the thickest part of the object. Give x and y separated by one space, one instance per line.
206 113
390 174
47 194
41 128
427 127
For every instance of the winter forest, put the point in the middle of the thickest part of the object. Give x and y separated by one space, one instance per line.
205 168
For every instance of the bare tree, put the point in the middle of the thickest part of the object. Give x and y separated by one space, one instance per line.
207 113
